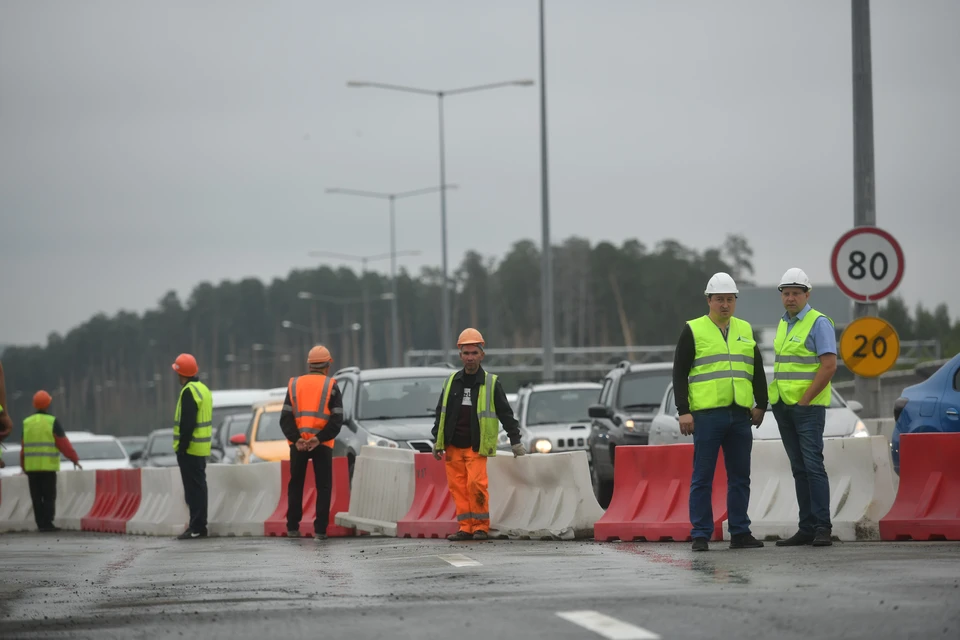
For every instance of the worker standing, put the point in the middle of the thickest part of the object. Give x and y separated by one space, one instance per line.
192 434
720 390
805 349
6 424
43 441
471 408
311 418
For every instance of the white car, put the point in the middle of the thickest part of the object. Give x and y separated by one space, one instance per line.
842 421
11 460
97 452
553 416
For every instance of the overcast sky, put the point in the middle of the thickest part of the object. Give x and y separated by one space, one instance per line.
148 146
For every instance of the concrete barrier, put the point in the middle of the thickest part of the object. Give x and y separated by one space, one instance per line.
880 427
382 491
76 491
241 497
542 497
163 510
862 488
16 507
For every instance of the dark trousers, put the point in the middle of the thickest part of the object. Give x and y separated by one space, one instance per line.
801 431
322 457
43 493
715 429
193 472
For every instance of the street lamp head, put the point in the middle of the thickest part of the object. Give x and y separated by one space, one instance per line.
524 83
286 324
303 295
258 347
386 296
355 326
353 84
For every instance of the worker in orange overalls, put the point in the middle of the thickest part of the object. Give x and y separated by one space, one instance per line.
472 406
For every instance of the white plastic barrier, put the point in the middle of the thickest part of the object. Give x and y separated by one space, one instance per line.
16 507
542 496
382 490
76 492
163 510
862 488
240 497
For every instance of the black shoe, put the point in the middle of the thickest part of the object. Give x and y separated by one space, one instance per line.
700 544
744 541
293 533
796 540
50 529
459 536
822 538
481 535
191 535
319 537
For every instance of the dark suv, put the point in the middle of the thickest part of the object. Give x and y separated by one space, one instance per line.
392 408
630 397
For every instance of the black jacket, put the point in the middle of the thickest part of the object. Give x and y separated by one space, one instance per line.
504 411
288 424
188 417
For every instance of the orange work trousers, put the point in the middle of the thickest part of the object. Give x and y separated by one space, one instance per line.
467 479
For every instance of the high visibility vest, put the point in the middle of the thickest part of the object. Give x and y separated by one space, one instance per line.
310 404
795 366
39 444
722 371
486 413
203 431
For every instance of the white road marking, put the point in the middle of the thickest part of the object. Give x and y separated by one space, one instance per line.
608 627
459 560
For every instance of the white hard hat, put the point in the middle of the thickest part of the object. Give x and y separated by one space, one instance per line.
721 283
795 277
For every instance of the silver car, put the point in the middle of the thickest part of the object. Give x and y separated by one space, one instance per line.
842 421
553 416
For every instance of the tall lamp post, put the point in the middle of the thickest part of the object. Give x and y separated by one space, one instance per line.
445 331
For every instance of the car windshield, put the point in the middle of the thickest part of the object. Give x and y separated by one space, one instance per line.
399 398
562 405
234 425
641 390
269 427
219 413
161 445
100 450
133 444
11 457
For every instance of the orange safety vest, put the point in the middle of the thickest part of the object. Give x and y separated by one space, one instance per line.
310 400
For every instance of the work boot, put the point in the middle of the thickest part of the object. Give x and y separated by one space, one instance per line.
822 538
744 541
319 536
293 533
460 536
796 540
700 544
481 535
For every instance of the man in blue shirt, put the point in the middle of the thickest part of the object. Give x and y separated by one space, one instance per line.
805 361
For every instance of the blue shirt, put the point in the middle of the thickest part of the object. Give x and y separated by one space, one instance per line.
822 338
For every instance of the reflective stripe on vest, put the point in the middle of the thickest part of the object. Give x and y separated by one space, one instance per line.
795 366
40 451
722 370
310 404
200 442
486 415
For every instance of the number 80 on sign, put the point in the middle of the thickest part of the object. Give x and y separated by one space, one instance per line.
869 347
867 264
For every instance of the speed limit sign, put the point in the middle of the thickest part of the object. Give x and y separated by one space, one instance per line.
867 264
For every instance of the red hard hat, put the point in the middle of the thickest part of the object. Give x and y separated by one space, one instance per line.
41 400
186 365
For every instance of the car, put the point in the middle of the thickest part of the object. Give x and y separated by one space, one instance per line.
842 420
513 399
133 445
228 402
932 406
230 426
11 460
553 417
630 397
158 451
263 440
97 452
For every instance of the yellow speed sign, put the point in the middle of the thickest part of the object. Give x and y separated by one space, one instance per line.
869 346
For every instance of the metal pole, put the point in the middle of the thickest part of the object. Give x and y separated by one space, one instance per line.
546 276
394 313
445 291
864 183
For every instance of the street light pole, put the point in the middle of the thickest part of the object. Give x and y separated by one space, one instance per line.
546 277
445 314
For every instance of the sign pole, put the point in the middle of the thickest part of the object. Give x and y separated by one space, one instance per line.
867 390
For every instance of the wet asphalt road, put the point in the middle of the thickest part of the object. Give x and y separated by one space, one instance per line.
83 585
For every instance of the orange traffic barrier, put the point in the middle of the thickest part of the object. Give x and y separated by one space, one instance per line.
433 513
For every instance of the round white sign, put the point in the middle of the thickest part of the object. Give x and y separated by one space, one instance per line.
867 264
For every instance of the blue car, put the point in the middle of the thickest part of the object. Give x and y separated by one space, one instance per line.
933 406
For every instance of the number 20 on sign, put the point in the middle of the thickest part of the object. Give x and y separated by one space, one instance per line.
869 347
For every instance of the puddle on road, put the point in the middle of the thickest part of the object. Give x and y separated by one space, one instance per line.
703 568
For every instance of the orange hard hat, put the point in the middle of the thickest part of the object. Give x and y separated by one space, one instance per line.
319 355
41 400
186 365
470 336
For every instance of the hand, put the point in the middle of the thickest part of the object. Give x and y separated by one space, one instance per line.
437 454
756 416
518 450
686 424
2 463
6 425
301 445
76 465
803 403
312 443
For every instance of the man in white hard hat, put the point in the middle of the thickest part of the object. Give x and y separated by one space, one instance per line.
720 390
805 360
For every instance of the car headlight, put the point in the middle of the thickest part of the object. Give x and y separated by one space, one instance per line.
629 425
542 446
860 430
377 441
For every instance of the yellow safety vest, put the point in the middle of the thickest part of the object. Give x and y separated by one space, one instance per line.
39 444
203 431
722 371
486 413
795 366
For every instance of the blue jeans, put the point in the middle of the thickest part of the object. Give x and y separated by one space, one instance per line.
727 428
801 430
